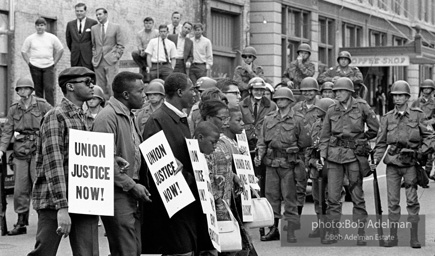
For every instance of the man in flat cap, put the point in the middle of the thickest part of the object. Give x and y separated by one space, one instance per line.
51 184
24 117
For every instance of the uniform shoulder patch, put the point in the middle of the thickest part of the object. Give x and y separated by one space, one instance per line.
355 68
40 99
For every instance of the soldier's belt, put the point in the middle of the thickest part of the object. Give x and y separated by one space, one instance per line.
347 144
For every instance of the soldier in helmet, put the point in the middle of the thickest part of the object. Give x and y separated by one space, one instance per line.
307 109
300 68
281 140
23 121
248 70
326 90
312 157
342 70
402 130
426 102
344 146
96 104
155 93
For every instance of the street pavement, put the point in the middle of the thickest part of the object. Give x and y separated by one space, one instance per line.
21 245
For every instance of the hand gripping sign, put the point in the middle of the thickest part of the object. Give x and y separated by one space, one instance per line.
90 173
172 186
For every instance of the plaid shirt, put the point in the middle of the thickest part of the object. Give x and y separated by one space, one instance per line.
51 185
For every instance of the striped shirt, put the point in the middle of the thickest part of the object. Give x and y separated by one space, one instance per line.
50 189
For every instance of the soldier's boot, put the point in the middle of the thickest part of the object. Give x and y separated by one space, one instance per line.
414 236
392 240
261 232
361 241
3 225
20 227
291 237
26 218
331 235
298 225
273 232
316 232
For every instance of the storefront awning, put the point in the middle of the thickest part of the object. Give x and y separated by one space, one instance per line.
413 53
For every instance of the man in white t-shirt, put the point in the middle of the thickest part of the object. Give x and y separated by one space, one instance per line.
42 51
161 53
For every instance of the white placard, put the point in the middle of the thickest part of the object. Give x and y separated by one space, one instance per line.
90 173
245 173
242 143
202 177
172 187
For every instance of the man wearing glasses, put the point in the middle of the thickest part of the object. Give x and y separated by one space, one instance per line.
50 188
247 70
231 90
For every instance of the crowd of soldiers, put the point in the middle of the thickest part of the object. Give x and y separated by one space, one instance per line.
324 137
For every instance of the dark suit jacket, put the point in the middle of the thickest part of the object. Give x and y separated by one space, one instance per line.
112 48
188 47
80 45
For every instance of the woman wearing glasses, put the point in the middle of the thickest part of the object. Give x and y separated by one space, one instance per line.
247 70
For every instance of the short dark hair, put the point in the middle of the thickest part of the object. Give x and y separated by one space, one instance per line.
40 20
175 13
205 128
211 108
224 84
163 26
121 82
148 19
212 94
101 8
188 22
174 82
198 25
81 5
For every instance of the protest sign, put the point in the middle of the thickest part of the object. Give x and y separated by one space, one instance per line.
172 186
202 177
90 173
242 143
245 173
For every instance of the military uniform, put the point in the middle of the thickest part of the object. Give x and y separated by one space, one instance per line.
428 107
282 142
23 124
344 144
242 76
297 71
143 114
353 73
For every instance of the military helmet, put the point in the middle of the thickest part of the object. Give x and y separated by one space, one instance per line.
343 83
428 83
344 54
327 86
269 87
250 51
98 92
257 83
205 83
158 80
305 48
24 83
155 87
401 87
309 83
323 104
284 93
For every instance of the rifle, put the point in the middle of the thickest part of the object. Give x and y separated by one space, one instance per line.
322 203
3 170
378 206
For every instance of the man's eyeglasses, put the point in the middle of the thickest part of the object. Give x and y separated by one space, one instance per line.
247 56
87 82
234 92
223 119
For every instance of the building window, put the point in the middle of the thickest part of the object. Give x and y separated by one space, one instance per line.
370 2
426 11
382 4
399 41
326 43
377 38
395 6
295 30
4 56
420 9
352 35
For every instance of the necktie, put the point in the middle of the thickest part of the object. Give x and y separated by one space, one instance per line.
255 110
80 27
103 32
166 52
174 30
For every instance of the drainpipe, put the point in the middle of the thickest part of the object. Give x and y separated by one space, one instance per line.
11 15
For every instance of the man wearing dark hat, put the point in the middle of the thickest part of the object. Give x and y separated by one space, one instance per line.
51 185
24 117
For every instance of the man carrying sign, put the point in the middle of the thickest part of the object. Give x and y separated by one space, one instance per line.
50 187
123 229
186 231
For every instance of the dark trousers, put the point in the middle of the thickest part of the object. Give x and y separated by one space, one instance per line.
123 229
83 236
180 66
197 70
24 171
161 71
44 80
142 64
